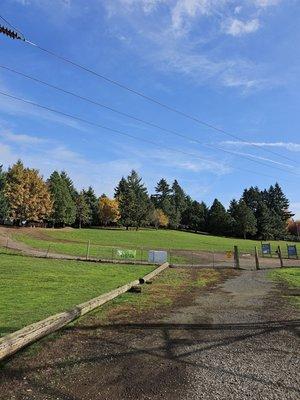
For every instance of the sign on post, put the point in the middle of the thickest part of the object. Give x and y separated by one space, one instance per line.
228 254
157 257
266 249
292 250
126 254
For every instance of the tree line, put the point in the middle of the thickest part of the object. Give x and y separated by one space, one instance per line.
27 199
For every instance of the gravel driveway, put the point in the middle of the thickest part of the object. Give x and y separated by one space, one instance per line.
236 341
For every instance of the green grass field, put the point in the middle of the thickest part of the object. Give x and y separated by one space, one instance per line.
290 276
103 242
32 289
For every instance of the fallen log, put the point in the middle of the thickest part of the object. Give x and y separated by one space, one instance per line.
15 341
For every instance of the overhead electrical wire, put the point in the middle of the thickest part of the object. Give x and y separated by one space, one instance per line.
122 133
170 131
146 97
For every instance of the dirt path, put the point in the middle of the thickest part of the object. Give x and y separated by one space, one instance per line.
237 341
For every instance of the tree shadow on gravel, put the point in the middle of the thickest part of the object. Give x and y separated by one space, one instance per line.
168 344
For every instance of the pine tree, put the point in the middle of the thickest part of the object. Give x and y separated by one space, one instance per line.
69 184
163 200
134 203
278 204
82 210
64 208
4 207
265 222
244 221
195 216
219 220
179 196
252 197
70 199
27 195
92 202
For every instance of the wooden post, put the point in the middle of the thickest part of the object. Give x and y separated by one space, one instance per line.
170 257
7 244
280 256
256 259
213 259
47 251
236 257
88 249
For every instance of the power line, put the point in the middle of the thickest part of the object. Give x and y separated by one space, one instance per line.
116 131
151 99
173 132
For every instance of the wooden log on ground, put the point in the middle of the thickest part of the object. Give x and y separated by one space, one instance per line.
15 341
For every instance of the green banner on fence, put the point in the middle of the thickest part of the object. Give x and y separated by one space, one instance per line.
126 253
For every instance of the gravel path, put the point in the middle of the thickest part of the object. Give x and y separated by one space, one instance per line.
237 341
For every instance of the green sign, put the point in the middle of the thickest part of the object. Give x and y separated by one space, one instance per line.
126 253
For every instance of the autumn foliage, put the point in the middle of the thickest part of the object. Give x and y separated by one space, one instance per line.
108 210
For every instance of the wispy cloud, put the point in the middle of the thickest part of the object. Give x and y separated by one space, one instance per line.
236 27
21 138
284 145
177 35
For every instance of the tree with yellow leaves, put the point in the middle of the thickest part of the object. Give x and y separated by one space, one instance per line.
108 210
159 218
27 195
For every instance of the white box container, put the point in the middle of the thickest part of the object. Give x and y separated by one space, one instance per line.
157 257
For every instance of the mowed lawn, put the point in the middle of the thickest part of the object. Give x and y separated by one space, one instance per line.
32 289
103 241
291 277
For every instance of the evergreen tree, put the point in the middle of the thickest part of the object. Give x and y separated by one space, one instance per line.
64 208
134 203
219 220
278 204
252 197
82 210
264 222
92 202
195 216
244 221
71 198
69 184
4 207
179 197
164 200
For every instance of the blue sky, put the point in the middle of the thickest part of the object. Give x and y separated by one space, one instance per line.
234 64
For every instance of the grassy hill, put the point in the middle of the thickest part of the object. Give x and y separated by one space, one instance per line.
74 241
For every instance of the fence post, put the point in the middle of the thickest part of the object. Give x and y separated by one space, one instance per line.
7 245
236 258
170 256
280 256
47 252
213 257
256 259
88 249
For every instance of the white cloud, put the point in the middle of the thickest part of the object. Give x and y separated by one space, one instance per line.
266 3
178 35
284 145
236 27
21 138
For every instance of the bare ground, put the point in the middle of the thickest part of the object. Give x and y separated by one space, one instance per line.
238 340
